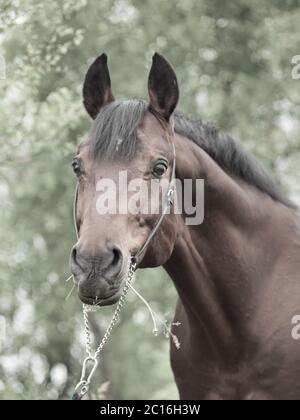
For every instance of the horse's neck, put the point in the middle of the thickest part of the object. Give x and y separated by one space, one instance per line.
219 267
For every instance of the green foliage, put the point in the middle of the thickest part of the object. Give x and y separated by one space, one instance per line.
233 61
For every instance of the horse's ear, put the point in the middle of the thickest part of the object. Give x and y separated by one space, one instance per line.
97 86
163 87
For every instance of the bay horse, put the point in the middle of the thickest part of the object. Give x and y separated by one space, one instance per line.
237 273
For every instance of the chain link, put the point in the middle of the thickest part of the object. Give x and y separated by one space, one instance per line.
88 343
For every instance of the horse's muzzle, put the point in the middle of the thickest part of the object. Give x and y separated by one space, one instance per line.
97 277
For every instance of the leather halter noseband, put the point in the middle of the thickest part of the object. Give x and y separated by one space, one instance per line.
169 200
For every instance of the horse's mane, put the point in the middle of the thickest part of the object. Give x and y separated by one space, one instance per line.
114 133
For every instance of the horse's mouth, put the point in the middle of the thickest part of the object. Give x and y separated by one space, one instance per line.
96 301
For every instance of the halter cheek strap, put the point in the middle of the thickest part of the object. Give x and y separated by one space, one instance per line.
74 211
169 200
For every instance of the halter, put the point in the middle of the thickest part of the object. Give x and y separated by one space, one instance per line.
169 200
83 385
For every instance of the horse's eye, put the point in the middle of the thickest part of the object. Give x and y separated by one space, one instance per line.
159 168
76 166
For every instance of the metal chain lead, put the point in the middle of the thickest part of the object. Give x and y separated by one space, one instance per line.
83 385
88 341
115 317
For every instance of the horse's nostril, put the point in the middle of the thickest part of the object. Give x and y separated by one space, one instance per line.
74 254
117 257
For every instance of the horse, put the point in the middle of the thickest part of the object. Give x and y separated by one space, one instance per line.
236 273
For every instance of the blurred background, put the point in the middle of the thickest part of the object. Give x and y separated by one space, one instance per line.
235 65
